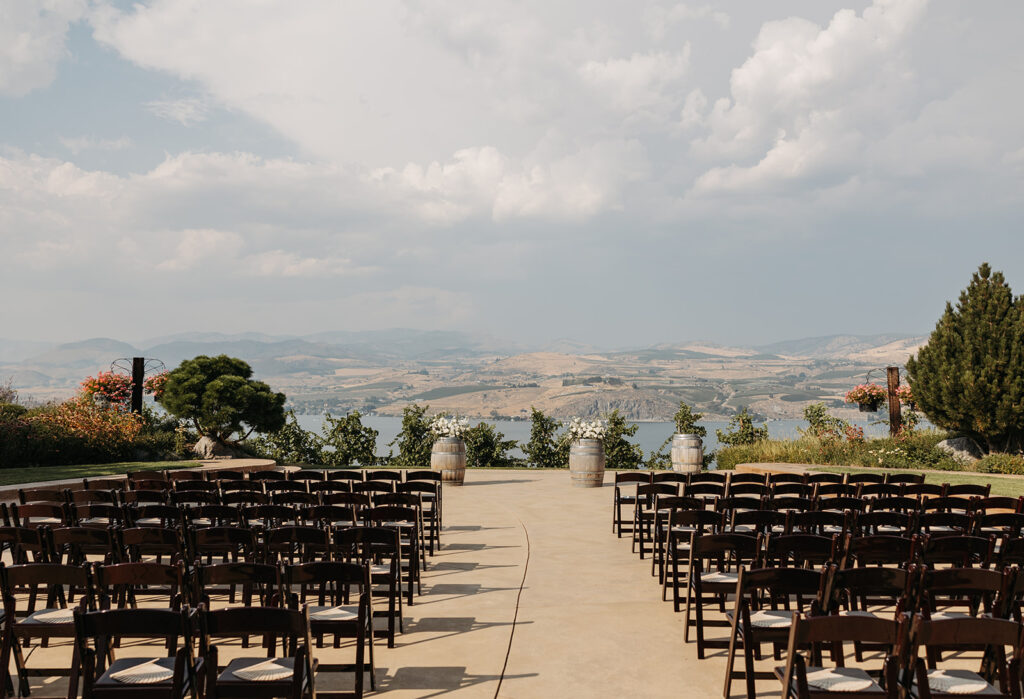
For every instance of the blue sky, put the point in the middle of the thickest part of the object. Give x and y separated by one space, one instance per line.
616 173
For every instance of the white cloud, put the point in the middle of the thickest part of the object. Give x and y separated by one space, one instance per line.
80 144
32 41
187 111
642 82
203 246
811 99
660 19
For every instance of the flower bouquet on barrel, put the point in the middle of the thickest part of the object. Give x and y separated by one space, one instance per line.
449 452
586 453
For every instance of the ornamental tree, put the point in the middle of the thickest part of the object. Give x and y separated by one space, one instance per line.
217 395
969 377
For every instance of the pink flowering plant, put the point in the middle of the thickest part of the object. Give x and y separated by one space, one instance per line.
870 394
906 396
116 389
155 384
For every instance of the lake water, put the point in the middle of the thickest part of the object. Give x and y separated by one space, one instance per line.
649 435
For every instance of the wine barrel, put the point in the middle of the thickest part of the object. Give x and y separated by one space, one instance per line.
449 457
586 463
687 453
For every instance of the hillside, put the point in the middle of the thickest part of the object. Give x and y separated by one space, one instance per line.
383 371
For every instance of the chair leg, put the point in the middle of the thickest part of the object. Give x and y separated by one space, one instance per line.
730 659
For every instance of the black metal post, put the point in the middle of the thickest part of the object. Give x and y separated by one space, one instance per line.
138 377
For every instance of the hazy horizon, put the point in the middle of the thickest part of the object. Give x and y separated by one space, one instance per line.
620 174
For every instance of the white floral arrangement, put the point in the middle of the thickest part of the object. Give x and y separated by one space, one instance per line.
446 426
586 429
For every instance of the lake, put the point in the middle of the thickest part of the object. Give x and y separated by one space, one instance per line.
649 435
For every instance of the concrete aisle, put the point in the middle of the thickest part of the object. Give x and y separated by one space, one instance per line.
591 622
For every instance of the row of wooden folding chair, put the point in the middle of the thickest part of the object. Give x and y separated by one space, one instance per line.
93 619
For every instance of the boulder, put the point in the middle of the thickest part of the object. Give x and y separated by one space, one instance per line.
963 449
208 448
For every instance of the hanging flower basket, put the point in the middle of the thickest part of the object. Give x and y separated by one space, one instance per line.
906 396
868 396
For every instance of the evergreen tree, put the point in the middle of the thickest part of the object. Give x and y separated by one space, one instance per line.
969 377
217 397
620 453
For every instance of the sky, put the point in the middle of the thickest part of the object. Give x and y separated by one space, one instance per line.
617 173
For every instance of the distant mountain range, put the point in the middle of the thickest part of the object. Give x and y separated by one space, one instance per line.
478 375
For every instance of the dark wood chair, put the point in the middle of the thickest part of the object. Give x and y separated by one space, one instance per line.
306 475
824 478
328 516
55 620
348 474
958 551
800 551
980 490
997 677
52 496
833 490
294 498
735 478
405 520
74 545
804 675
378 548
270 487
244 498
321 488
880 550
865 478
97 514
194 498
96 634
904 478
429 495
775 479
259 581
718 477
820 523
682 526
91 496
899 503
644 510
120 585
38 514
715 560
223 543
373 487
201 516
296 544
624 493
26 544
383 475
343 609
141 543
154 515
269 475
297 666
881 490
885 522
763 613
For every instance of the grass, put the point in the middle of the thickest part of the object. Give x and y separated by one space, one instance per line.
1001 485
15 476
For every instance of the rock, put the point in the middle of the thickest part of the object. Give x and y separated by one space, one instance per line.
207 448
963 449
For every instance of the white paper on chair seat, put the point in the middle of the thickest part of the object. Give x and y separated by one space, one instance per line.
959 682
148 672
149 520
343 613
52 616
858 612
269 671
717 577
840 679
943 616
771 618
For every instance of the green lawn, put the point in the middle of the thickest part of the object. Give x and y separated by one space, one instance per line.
14 476
1013 487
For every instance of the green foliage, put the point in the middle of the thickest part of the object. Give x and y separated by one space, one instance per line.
350 441
8 394
619 452
486 446
742 430
909 451
542 449
218 397
1001 463
822 425
415 441
686 421
289 445
969 377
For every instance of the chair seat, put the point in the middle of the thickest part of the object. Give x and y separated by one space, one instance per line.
942 616
771 619
50 617
858 612
113 677
229 676
380 569
960 682
888 528
719 577
333 613
841 679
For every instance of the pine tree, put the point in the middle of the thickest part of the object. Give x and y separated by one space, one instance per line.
969 377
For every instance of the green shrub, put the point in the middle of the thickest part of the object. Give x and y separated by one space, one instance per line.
542 449
289 445
620 453
350 441
1001 463
486 446
415 441
742 430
